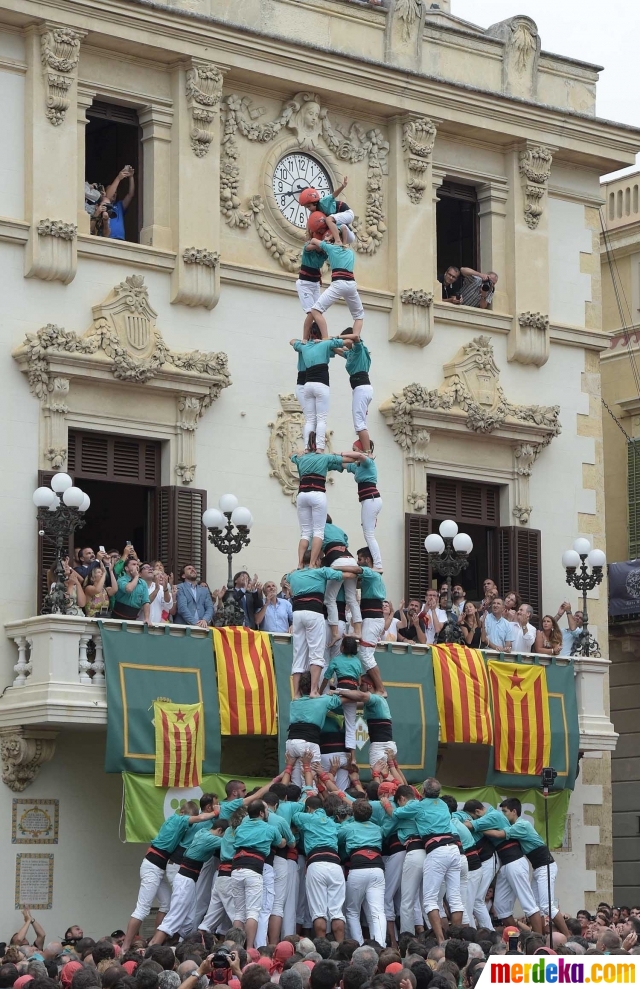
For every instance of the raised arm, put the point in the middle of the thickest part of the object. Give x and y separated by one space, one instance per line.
351 696
40 934
340 188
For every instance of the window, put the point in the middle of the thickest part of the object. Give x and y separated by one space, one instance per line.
112 141
457 226
633 485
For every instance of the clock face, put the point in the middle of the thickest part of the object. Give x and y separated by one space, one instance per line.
292 174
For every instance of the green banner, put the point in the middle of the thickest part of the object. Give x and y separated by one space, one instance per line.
147 806
142 666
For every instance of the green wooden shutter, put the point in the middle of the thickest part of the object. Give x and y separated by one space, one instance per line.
633 486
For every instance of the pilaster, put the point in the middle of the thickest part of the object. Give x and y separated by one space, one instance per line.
85 99
156 122
492 213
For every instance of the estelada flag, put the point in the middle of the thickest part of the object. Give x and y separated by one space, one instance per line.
179 743
246 681
522 728
462 693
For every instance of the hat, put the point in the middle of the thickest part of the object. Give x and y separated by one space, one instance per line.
392 968
22 981
508 931
117 933
68 971
543 950
130 966
309 964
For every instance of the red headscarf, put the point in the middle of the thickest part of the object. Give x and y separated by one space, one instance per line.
22 981
309 965
387 788
392 968
283 951
130 966
253 954
68 971
265 962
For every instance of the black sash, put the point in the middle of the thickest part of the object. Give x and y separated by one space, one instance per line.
304 731
359 378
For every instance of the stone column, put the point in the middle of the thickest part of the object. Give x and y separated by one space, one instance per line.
85 99
528 168
53 53
155 122
411 220
492 212
197 92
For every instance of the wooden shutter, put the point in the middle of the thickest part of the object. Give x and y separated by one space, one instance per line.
417 569
518 565
633 488
46 550
124 459
182 538
464 501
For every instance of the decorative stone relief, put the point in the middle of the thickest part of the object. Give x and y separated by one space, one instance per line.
521 41
470 398
522 513
204 92
525 455
403 33
535 169
418 139
57 228
55 410
415 320
199 281
409 13
187 423
309 122
23 752
284 439
194 255
529 339
60 53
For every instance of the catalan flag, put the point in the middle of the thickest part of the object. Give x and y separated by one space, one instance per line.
522 743
179 743
462 693
246 681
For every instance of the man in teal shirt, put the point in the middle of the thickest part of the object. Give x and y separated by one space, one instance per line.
479 819
325 884
358 365
361 842
253 840
306 718
132 595
343 285
316 354
335 547
221 902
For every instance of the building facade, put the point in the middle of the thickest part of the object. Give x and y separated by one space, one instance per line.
157 369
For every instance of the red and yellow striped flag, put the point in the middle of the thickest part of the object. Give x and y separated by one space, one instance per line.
246 681
179 743
462 693
521 721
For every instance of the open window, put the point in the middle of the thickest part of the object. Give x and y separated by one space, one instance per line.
113 140
457 227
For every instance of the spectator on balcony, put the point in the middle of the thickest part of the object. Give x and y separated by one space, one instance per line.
489 591
451 282
85 561
99 587
248 594
108 214
390 631
497 631
525 633
128 553
458 598
73 587
478 288
132 596
113 557
411 627
194 605
160 599
512 602
549 637
433 615
276 614
574 621
285 590
470 624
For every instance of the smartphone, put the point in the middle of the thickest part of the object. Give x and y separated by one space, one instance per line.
128 543
513 942
102 549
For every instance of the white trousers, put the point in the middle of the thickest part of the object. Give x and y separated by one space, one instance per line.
372 631
317 397
297 747
369 511
300 395
171 872
360 401
181 916
303 916
220 905
350 714
247 889
377 751
341 289
464 888
345 218
308 293
312 513
330 652
268 895
411 888
480 911
473 882
325 891
441 867
513 882
541 890
280 880
153 882
350 593
392 878
342 776
290 900
309 639
366 887
204 887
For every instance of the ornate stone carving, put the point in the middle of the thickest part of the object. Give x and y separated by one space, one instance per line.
309 121
416 297
54 411
524 457
522 513
529 339
521 41
57 228
535 169
60 53
204 92
23 752
415 320
404 32
285 438
189 412
418 139
410 13
535 320
287 257
195 255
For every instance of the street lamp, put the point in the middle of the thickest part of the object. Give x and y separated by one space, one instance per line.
228 528
61 511
582 557
449 555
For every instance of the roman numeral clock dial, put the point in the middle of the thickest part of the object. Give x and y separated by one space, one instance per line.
292 174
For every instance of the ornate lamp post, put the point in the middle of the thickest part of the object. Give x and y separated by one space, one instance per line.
61 511
581 557
228 527
449 555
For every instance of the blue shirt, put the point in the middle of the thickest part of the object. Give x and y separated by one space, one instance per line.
498 630
333 534
358 359
316 463
278 617
568 638
340 257
315 352
364 470
116 224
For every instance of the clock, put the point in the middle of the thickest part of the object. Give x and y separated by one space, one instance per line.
292 174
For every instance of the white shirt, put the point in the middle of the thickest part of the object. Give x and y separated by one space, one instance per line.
158 605
391 635
523 641
441 615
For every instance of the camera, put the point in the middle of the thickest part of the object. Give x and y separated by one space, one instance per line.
220 964
487 286
70 942
548 777
513 942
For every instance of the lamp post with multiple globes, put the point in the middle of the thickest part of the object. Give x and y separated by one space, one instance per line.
61 509
576 562
228 526
449 555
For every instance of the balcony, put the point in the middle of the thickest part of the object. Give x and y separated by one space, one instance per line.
59 679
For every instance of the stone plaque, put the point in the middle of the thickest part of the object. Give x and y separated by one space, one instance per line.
34 822
34 881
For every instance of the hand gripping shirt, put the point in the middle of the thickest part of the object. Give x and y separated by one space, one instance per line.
313 469
319 832
307 716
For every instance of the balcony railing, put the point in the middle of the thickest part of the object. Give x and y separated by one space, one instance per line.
59 678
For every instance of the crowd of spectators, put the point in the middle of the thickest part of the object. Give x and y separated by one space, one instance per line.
467 287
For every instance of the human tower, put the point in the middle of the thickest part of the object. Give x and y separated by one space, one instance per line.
314 848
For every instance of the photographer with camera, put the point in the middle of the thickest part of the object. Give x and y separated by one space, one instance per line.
477 288
108 214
